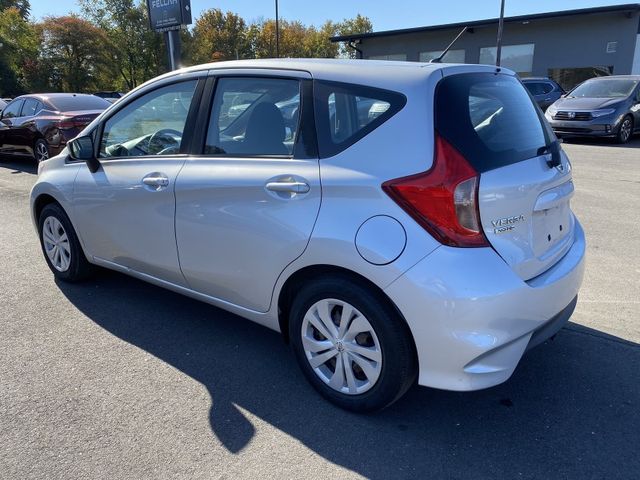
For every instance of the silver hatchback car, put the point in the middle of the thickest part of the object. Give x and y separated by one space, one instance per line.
396 222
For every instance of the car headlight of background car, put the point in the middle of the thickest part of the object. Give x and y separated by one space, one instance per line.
551 111
603 112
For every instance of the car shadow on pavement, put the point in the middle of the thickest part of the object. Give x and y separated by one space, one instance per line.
571 410
19 166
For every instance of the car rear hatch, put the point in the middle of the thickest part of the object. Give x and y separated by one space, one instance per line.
524 189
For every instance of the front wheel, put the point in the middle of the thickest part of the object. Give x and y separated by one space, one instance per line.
60 245
626 130
351 344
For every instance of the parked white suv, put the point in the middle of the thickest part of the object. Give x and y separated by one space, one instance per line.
428 239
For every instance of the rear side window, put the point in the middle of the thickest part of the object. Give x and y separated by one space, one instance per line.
31 107
345 113
489 118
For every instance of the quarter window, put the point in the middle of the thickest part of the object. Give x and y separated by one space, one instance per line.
254 116
345 113
31 107
150 125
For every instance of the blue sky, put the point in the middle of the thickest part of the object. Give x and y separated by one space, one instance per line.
385 15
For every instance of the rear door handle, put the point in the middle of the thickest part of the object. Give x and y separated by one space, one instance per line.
157 181
288 187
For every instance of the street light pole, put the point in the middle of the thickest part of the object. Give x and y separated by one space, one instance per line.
499 40
277 33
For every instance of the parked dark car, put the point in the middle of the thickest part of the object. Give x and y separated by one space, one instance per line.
39 126
599 107
544 90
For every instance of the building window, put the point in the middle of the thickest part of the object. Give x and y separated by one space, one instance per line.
452 56
612 47
394 56
518 58
570 77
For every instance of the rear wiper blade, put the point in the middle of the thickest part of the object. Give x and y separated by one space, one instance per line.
554 149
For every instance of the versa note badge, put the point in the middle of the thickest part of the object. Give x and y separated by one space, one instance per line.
506 224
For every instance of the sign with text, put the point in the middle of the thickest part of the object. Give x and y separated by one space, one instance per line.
169 14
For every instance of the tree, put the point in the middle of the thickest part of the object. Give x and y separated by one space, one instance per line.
136 52
352 26
317 43
23 6
19 44
219 36
76 51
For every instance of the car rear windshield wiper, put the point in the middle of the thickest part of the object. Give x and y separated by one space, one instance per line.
554 149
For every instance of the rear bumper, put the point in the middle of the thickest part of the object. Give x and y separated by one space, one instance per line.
472 318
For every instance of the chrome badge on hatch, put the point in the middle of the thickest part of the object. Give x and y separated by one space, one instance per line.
506 224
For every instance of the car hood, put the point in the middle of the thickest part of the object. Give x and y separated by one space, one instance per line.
586 103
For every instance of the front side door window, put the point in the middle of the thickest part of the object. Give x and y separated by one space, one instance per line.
12 110
151 125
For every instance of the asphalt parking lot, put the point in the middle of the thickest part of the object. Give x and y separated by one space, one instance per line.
119 379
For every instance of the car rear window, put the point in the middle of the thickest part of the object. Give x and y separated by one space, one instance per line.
490 118
71 103
345 113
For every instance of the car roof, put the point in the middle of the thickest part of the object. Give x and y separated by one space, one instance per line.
619 77
386 74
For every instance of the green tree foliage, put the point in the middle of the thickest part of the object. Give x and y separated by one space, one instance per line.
19 44
74 47
111 47
219 36
23 6
135 52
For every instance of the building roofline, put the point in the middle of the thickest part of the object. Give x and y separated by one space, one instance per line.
630 7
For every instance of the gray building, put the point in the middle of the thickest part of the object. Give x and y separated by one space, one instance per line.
568 46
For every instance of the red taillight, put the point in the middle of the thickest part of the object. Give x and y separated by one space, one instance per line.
67 123
444 199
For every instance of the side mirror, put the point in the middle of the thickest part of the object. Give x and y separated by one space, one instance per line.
81 148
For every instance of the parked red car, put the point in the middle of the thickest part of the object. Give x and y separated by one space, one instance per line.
40 125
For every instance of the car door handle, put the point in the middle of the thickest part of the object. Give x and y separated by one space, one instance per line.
157 181
288 187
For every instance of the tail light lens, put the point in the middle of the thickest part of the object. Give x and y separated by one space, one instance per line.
67 123
444 199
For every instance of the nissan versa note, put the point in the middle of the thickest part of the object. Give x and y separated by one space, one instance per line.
426 236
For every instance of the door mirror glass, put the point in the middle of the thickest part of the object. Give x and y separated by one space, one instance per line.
82 148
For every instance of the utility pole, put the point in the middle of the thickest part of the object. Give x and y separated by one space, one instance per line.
277 33
499 40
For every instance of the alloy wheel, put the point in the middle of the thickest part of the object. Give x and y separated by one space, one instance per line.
56 244
625 130
42 152
341 346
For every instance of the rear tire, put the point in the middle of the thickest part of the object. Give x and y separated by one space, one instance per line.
41 150
625 132
60 245
364 364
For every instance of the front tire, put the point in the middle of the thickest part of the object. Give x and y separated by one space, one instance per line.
60 245
351 344
41 150
625 132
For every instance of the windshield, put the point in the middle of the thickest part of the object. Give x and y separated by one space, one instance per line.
605 88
